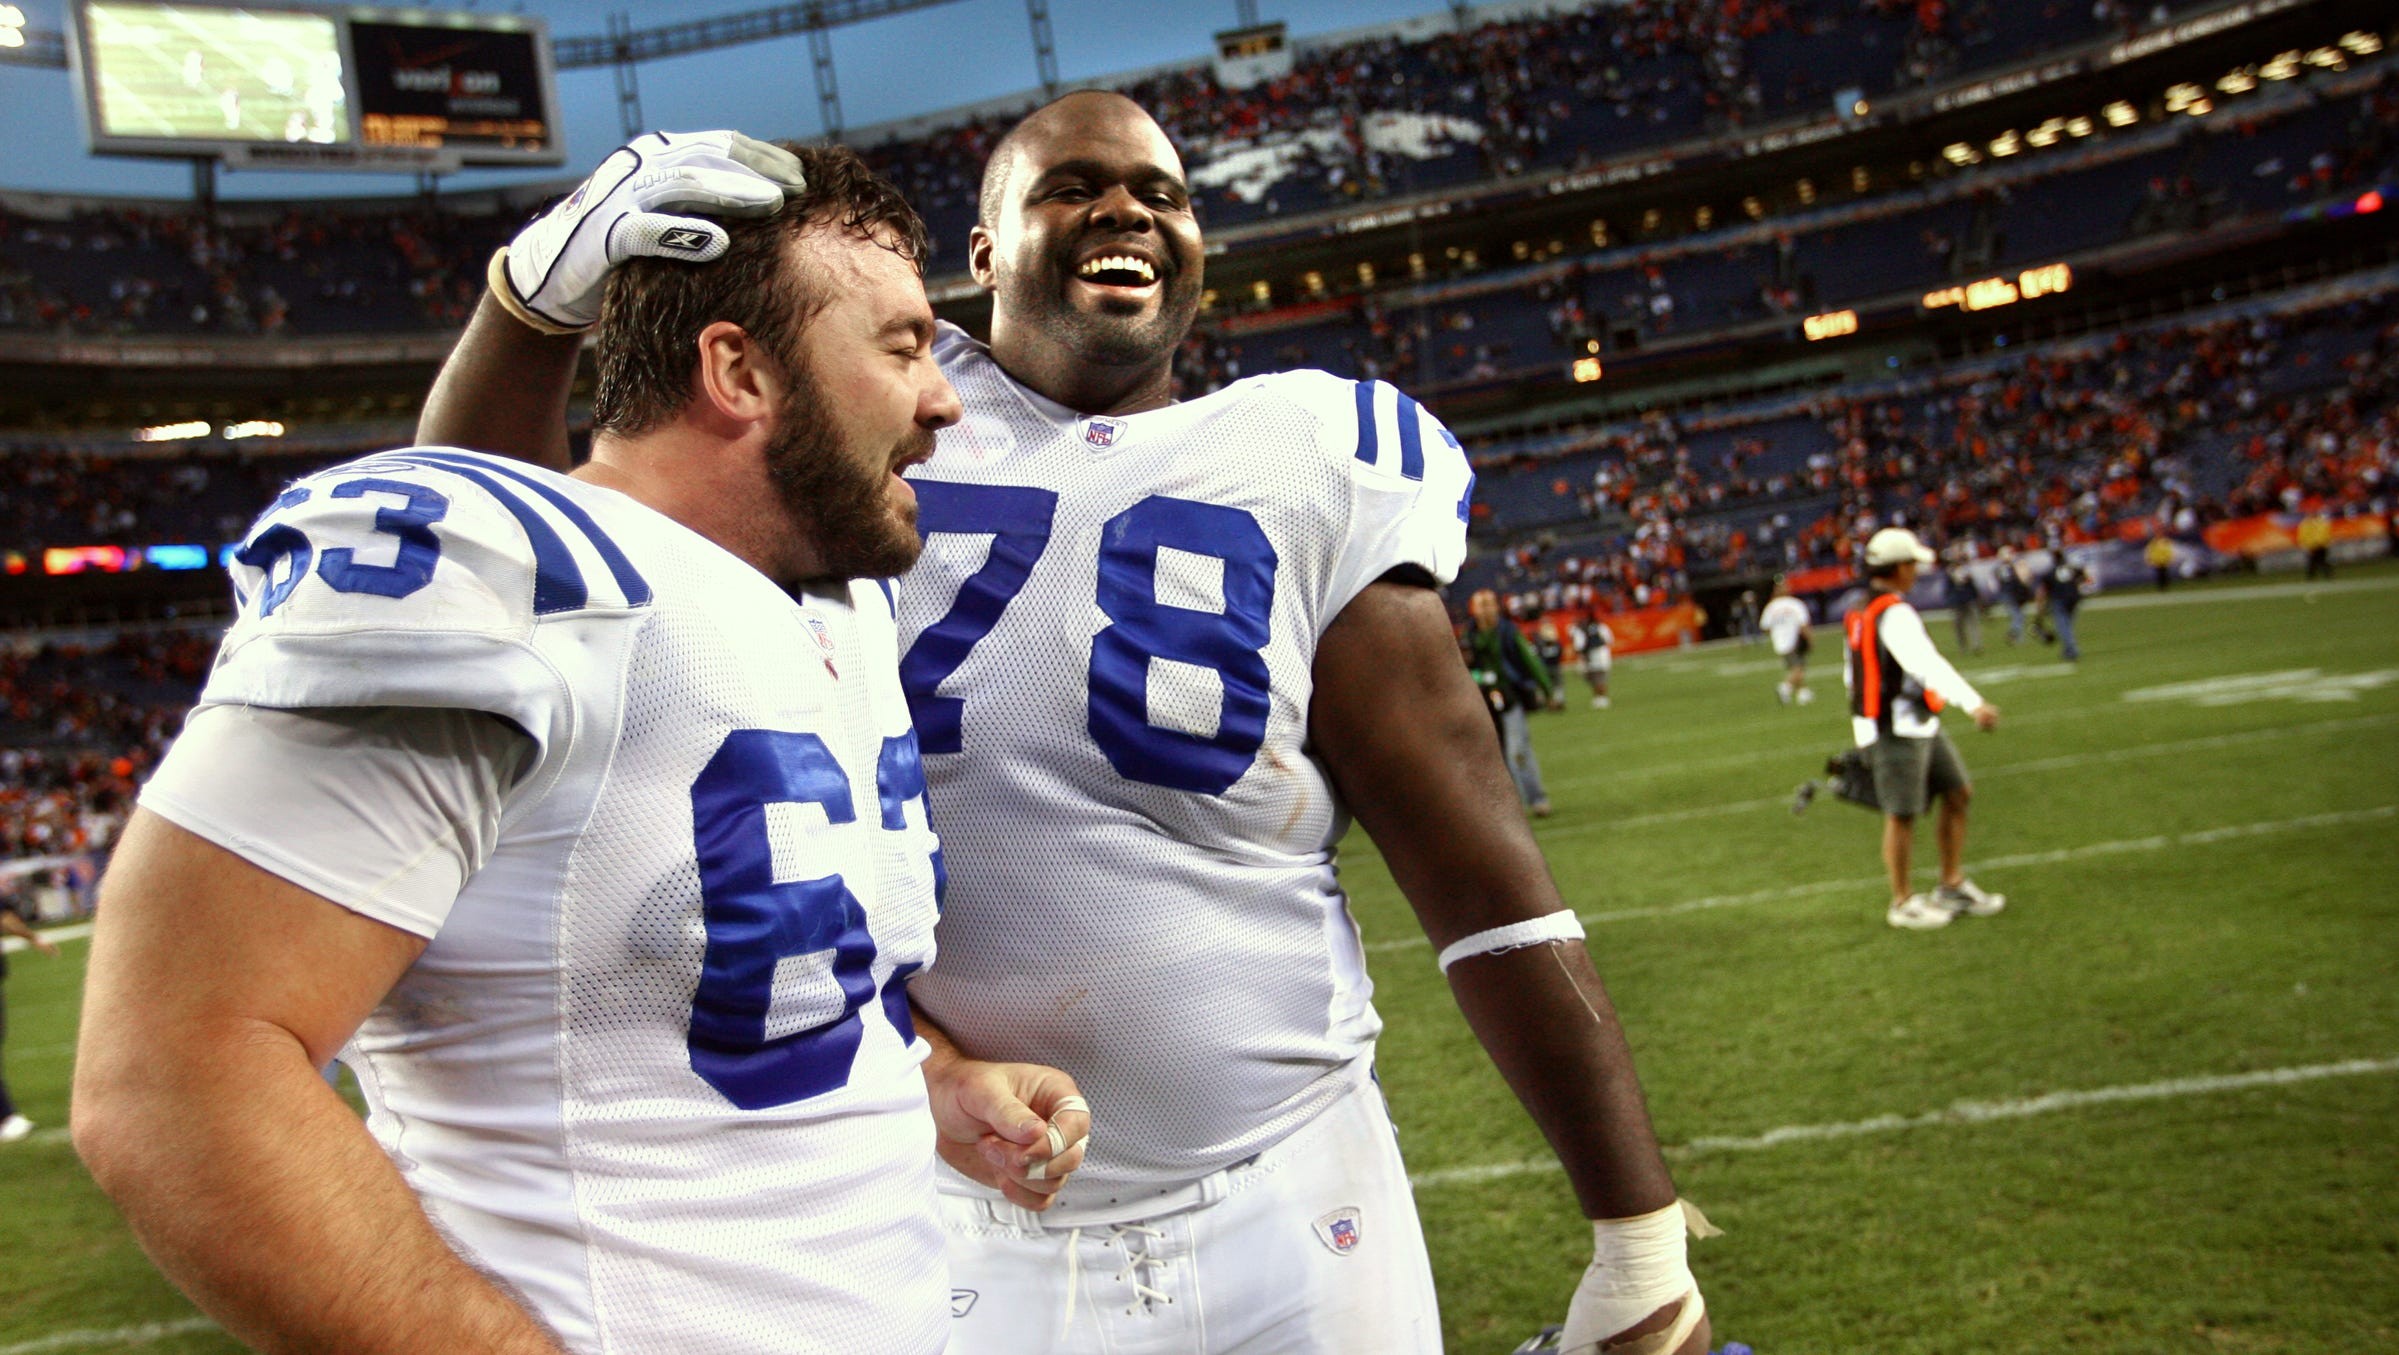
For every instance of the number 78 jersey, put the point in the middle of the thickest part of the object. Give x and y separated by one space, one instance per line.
1108 649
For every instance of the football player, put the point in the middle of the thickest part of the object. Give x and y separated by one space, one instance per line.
1159 654
583 816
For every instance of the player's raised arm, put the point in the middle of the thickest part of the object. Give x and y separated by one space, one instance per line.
216 992
1439 804
504 388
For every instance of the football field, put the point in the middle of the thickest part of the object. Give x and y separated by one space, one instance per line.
2148 1108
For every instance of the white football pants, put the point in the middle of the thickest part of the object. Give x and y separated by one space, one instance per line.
1312 1246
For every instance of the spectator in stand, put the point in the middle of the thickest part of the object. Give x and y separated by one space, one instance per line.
1898 685
1496 646
1786 621
13 1125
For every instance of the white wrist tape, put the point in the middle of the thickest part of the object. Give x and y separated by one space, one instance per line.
1638 1265
1561 925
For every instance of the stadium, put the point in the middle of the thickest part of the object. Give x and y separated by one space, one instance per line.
2098 300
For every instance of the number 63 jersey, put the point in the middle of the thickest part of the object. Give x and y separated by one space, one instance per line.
1108 645
655 1068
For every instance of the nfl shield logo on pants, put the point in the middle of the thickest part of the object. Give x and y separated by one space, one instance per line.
1339 1230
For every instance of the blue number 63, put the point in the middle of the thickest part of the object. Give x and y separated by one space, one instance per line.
755 922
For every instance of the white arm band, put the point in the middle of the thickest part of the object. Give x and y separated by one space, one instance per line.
1561 925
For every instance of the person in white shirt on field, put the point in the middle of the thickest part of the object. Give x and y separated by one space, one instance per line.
1599 657
1786 620
1898 685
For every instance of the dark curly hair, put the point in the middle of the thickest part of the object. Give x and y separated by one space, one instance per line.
654 310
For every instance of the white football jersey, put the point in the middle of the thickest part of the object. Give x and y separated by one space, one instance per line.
655 1069
1108 646
1785 620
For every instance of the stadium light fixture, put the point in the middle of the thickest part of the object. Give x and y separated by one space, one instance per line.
1365 273
1830 325
2007 143
1807 192
2282 67
12 26
2120 114
1704 217
2360 43
1261 292
174 432
2078 127
1859 179
2237 81
1959 153
2201 108
2046 134
1587 369
2327 58
1753 209
2180 97
253 428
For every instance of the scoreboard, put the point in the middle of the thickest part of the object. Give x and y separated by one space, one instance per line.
297 87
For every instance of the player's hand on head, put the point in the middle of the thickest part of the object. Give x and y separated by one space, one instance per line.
651 198
1020 1128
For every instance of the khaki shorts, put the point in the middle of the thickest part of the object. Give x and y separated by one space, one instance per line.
1909 773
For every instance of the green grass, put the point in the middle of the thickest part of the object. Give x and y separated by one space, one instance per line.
2259 1219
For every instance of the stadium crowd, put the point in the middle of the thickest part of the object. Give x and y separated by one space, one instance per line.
1496 100
126 270
78 730
2158 432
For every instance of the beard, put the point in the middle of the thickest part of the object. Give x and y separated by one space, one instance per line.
842 502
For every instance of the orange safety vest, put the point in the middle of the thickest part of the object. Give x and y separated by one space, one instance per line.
1876 680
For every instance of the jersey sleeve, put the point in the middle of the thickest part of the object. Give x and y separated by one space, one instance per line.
1410 488
397 581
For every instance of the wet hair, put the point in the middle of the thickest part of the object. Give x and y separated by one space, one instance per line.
654 310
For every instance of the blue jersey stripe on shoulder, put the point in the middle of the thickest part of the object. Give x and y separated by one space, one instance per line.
889 599
557 580
1366 433
628 579
1411 439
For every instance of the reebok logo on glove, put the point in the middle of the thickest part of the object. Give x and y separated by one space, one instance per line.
692 240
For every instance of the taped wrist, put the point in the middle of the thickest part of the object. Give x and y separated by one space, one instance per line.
1638 1265
495 277
1562 925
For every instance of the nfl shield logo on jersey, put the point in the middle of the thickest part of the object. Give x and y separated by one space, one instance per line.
1101 432
824 641
1339 1230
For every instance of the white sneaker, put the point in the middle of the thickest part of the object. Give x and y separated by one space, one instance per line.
14 1127
1599 703
1782 694
1806 695
1969 898
1918 913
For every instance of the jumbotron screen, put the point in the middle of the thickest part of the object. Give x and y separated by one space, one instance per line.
193 73
349 87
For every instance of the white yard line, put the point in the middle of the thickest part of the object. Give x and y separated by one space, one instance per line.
121 1336
2047 764
2130 601
10 945
2116 847
1958 1113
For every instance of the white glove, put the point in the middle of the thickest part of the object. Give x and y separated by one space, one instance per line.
552 275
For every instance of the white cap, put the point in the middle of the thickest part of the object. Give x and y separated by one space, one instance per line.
1895 546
